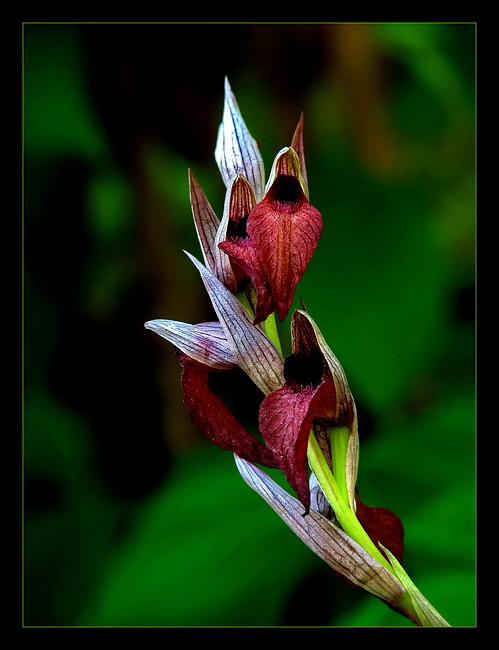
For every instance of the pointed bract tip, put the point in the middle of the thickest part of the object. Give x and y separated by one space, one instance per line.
229 95
297 141
297 145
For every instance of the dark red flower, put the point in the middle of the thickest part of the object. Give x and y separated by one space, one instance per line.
211 416
281 234
311 396
286 419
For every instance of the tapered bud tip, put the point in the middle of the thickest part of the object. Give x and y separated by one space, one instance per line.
236 151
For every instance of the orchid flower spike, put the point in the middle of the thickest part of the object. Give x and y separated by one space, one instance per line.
254 258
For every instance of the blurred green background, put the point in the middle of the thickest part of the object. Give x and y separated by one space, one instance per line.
132 518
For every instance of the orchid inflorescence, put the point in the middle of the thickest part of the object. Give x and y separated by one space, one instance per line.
254 258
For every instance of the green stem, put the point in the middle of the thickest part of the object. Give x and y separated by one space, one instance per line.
270 324
346 517
272 332
339 447
412 603
243 299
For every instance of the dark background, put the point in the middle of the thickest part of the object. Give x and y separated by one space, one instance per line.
132 518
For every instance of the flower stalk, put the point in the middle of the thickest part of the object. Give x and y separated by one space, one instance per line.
254 257
339 502
339 450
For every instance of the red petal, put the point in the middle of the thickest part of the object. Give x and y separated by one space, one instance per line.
210 415
242 253
286 417
285 234
382 526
